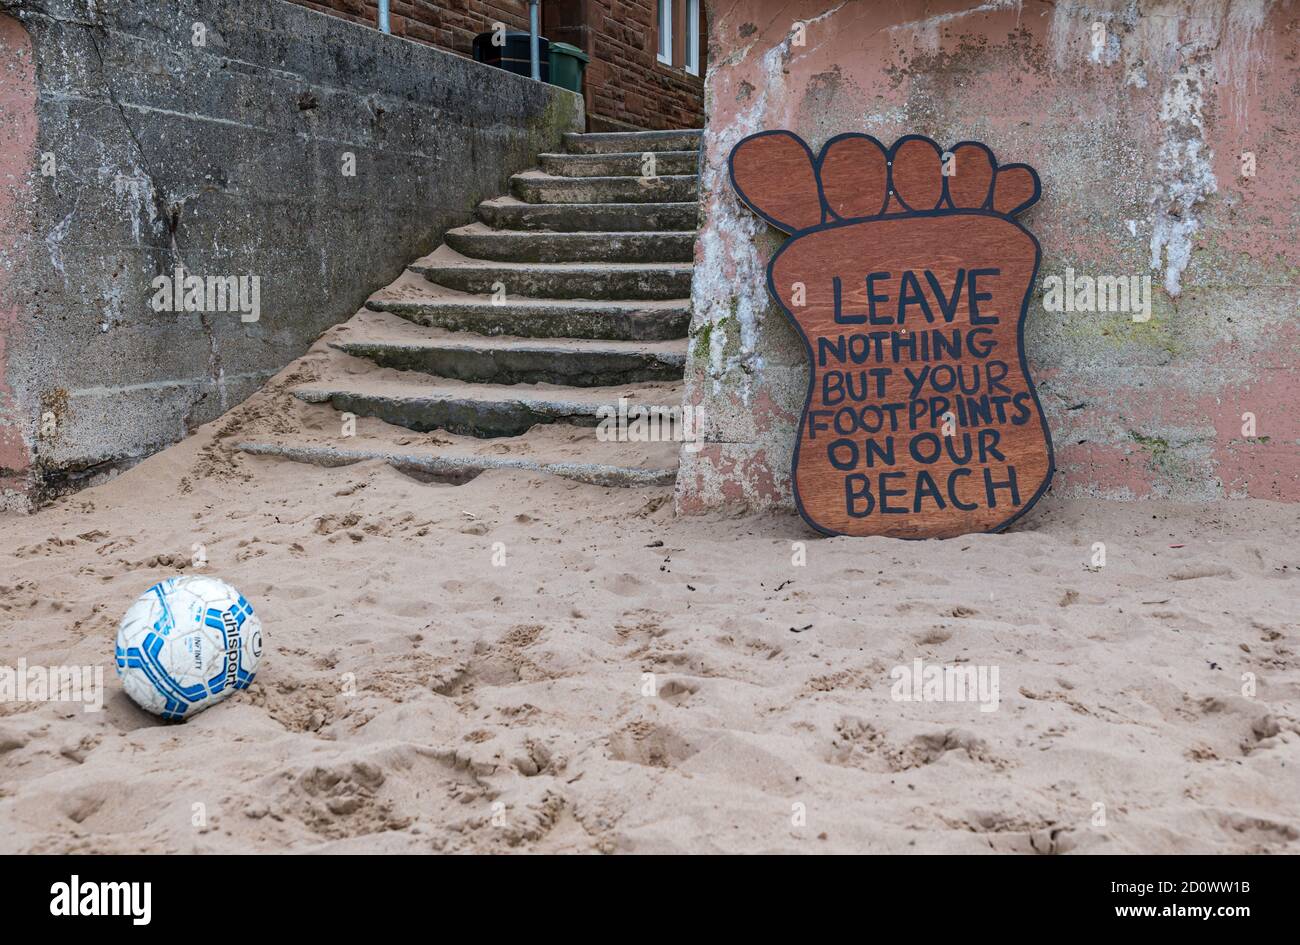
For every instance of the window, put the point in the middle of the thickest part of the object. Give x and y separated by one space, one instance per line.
666 32
693 37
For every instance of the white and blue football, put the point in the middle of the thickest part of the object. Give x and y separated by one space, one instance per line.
187 644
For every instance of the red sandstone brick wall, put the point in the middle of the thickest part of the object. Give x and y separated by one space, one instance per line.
447 24
625 83
628 83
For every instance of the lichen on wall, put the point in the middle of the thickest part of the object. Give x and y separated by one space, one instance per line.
1185 172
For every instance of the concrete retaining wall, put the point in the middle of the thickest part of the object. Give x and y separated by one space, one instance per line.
230 138
1139 117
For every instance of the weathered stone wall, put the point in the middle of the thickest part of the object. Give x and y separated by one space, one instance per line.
133 148
17 158
1137 116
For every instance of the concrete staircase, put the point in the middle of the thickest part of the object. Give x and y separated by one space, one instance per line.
560 299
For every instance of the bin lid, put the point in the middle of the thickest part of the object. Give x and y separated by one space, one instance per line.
569 50
509 34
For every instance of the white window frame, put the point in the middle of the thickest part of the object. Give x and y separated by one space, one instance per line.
664 15
693 37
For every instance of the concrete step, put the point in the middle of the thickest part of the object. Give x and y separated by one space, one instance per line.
616 142
536 187
448 268
504 360
544 318
631 164
483 410
460 467
484 242
509 213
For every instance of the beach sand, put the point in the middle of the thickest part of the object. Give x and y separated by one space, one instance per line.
414 697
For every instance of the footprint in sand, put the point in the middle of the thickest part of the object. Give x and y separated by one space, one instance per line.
654 746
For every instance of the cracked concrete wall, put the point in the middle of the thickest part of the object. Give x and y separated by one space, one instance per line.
142 135
1137 116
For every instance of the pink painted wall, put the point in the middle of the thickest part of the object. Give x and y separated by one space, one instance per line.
17 159
1136 117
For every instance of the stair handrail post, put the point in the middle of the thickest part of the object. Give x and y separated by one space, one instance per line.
384 26
534 28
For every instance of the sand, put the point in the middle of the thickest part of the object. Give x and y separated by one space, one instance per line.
416 698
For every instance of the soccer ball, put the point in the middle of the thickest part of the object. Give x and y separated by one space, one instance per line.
186 644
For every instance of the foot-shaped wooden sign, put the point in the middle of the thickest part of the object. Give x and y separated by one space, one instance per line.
908 278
